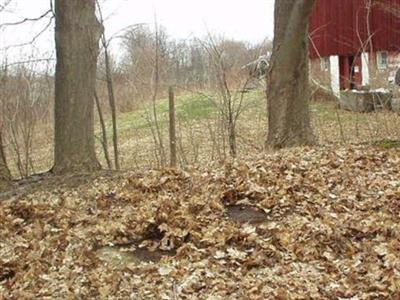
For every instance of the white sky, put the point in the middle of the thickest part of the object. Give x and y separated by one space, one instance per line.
250 20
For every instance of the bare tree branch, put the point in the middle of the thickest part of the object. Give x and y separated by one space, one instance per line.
4 5
50 11
33 40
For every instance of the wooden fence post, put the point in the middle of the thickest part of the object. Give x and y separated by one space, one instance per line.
172 127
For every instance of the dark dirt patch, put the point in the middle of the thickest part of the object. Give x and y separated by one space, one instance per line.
246 214
7 272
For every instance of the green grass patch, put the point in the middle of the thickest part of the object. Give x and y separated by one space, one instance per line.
188 107
196 106
325 111
387 144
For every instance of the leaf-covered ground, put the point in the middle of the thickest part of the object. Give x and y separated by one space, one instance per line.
330 230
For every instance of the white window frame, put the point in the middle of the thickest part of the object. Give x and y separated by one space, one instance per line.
382 60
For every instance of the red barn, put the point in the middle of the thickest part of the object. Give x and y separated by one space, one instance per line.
355 42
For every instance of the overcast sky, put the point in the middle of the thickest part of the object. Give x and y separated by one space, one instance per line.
250 20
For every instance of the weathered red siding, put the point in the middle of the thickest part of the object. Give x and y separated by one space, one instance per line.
339 27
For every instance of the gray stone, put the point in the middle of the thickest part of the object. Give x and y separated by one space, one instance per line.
365 101
395 104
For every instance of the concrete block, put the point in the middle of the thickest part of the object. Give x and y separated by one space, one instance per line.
365 101
395 104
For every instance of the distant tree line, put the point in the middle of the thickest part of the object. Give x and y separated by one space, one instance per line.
186 64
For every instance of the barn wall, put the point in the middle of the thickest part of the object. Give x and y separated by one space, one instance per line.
373 76
340 27
382 77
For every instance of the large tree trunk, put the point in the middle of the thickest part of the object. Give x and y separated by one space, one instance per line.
288 81
5 176
77 37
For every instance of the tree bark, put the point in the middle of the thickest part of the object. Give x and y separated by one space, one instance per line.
77 35
5 176
288 91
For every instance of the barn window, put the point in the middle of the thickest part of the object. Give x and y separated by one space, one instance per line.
382 59
324 63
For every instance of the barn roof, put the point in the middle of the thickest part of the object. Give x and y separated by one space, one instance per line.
347 27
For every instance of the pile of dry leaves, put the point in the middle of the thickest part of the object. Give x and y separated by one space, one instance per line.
299 224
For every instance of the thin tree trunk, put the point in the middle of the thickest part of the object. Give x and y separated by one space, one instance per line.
5 176
111 99
104 141
172 128
110 89
17 149
288 81
77 36
154 98
232 138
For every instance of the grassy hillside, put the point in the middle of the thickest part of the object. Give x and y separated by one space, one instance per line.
199 124
189 107
202 136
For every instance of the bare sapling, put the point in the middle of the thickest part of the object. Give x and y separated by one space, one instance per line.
110 90
156 86
230 89
104 140
5 175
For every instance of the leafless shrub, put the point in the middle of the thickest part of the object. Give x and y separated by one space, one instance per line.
25 103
